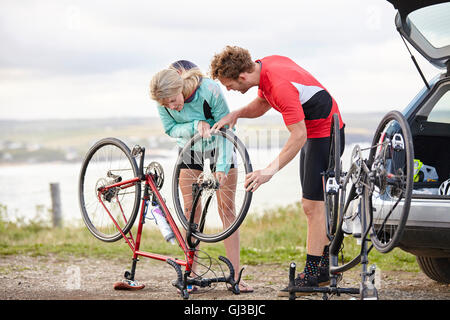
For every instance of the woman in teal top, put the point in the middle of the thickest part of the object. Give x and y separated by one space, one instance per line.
188 103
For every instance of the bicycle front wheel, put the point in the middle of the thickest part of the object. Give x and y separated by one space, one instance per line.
219 209
389 195
107 163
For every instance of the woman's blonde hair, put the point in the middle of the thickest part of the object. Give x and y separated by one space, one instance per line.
170 82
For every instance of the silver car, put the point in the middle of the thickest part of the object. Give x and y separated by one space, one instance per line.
426 26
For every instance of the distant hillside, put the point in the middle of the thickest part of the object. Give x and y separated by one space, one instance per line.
69 139
358 127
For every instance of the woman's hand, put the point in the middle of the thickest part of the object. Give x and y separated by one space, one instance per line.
204 129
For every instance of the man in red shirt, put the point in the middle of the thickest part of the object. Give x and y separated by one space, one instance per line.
307 109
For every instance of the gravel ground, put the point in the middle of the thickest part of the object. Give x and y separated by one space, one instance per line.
74 278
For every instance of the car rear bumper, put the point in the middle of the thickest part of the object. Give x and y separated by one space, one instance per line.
427 230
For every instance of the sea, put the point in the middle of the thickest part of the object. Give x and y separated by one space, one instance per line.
25 188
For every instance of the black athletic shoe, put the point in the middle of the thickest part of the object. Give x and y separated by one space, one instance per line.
302 281
324 276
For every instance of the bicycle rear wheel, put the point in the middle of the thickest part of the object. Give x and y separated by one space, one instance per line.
108 162
389 197
331 179
220 210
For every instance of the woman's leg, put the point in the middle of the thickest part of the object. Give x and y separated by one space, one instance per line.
187 178
226 203
227 212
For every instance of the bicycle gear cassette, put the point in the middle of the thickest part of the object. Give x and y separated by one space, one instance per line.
156 171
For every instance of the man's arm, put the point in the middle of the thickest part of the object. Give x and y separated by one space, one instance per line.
254 109
296 141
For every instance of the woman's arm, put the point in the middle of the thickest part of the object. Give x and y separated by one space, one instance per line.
219 106
219 110
173 128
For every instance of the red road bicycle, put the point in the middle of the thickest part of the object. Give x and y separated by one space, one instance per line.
111 184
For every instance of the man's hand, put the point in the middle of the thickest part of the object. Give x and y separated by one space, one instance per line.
204 129
256 178
230 120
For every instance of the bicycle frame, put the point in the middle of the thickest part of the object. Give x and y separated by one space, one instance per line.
135 245
186 245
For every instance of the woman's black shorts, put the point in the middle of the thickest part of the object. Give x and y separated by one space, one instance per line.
195 160
313 161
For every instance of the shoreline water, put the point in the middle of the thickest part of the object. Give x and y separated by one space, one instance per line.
25 188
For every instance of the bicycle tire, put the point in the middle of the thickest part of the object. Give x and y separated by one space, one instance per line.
333 171
104 163
391 155
209 229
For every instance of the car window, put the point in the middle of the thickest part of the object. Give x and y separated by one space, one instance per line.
441 110
433 22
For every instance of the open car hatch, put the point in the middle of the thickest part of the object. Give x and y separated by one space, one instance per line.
425 24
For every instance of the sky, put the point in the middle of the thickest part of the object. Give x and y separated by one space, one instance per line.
90 59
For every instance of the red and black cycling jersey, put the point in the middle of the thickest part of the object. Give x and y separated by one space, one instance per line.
297 95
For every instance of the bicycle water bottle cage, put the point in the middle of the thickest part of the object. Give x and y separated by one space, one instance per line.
332 186
397 142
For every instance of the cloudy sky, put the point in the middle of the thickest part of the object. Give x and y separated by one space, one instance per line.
80 59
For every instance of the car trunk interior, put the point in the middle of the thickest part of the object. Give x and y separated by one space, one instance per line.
431 142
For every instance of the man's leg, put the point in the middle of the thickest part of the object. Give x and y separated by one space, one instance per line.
316 236
315 243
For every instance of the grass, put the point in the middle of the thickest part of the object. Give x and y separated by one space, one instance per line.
276 236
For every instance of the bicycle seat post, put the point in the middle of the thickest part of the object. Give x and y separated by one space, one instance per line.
141 164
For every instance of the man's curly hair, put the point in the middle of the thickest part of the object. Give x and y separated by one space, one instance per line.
231 62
